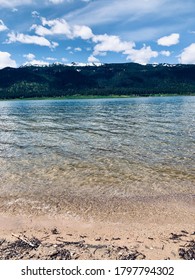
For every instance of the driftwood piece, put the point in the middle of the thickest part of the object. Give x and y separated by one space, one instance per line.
25 240
2 241
77 243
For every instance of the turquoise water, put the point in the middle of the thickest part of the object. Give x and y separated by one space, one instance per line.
97 148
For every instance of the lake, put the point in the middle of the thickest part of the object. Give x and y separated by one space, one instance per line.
56 152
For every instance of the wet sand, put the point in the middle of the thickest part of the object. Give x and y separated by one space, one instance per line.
155 228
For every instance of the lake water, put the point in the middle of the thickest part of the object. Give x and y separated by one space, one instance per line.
53 152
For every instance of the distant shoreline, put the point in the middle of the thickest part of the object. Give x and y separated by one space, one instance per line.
74 97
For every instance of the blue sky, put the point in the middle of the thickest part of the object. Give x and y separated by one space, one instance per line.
96 31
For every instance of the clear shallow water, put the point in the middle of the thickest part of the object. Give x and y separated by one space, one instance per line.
103 148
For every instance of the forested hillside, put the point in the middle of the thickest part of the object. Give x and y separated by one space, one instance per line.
108 79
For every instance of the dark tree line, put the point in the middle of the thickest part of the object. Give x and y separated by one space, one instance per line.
108 79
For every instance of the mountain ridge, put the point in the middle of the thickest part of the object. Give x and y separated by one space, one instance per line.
129 79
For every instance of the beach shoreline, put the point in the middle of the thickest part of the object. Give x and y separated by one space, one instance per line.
155 232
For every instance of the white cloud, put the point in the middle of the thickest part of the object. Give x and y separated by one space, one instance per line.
165 53
27 39
170 40
52 27
5 60
93 59
110 43
3 27
61 27
82 31
188 55
142 55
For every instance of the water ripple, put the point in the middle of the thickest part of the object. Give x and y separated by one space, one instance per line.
121 147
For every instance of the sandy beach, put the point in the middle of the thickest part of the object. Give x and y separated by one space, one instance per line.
141 230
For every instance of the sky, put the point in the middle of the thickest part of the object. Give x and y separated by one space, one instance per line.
41 32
